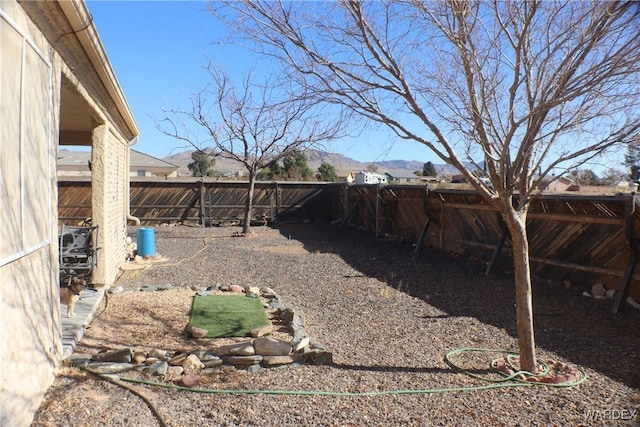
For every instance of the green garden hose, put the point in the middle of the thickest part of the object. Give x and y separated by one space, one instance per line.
516 376
495 383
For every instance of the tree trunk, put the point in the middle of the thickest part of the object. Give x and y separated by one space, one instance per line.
516 222
248 207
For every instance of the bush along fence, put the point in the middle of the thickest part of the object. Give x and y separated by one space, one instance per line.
586 241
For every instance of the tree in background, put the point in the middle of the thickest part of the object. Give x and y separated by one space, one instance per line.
528 87
327 173
271 172
589 177
428 169
613 177
296 167
202 164
585 177
632 161
254 124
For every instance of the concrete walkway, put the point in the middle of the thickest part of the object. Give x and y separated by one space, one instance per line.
73 328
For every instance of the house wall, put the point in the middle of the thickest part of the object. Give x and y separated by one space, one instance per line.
30 343
50 90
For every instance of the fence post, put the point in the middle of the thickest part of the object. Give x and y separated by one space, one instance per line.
630 223
272 207
377 224
202 213
425 207
345 201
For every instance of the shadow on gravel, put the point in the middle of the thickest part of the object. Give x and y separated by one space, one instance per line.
578 328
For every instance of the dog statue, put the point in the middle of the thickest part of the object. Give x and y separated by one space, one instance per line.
70 294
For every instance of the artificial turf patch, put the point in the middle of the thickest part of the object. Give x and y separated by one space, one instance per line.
227 315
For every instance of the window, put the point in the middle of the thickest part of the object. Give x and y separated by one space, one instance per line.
25 175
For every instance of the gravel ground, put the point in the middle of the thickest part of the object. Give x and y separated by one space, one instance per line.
387 316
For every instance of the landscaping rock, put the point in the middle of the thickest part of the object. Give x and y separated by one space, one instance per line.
252 290
598 291
117 356
139 357
286 314
633 303
255 368
192 365
261 331
276 302
76 360
196 332
178 360
271 361
109 367
206 356
297 320
174 373
242 360
271 347
213 288
238 349
160 354
159 368
236 288
190 381
319 357
214 363
267 292
300 345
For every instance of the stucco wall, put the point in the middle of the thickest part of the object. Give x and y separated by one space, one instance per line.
44 91
30 344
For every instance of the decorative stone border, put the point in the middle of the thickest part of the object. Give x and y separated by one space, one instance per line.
185 366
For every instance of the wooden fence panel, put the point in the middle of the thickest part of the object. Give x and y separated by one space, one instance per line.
584 239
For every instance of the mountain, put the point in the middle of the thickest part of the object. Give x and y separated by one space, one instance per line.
342 164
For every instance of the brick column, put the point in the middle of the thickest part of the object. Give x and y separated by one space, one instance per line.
99 142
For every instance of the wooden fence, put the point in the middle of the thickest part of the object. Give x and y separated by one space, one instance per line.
205 202
582 239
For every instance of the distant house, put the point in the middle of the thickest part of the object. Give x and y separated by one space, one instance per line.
562 183
350 178
370 178
405 179
78 163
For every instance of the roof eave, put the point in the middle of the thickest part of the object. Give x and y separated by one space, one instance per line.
77 13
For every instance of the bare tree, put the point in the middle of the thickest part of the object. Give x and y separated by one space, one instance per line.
526 87
253 124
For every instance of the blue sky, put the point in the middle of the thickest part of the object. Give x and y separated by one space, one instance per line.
157 49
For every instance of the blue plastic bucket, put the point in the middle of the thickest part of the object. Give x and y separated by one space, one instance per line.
145 239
